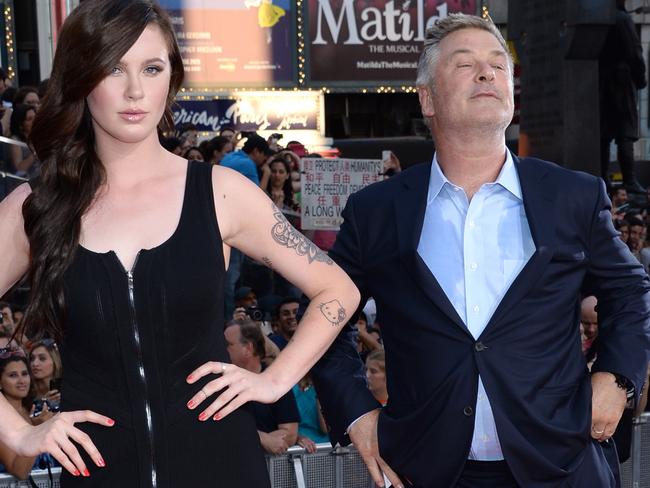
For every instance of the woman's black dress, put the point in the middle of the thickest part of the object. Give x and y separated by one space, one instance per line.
131 339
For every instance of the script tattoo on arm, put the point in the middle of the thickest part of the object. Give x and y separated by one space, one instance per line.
267 262
334 312
285 235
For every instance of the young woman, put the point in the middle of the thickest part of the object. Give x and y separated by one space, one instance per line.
279 188
45 362
126 246
376 374
21 157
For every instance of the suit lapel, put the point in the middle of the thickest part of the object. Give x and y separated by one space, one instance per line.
410 208
539 205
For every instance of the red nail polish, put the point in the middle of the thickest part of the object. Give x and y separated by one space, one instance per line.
203 416
191 404
110 422
101 463
217 417
86 473
190 378
76 472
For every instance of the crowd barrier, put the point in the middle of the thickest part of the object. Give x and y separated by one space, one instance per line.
343 467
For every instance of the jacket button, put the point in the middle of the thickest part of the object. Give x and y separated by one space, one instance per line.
479 347
468 411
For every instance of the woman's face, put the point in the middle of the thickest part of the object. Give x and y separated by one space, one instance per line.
28 122
15 380
42 364
32 99
278 174
195 155
376 376
128 104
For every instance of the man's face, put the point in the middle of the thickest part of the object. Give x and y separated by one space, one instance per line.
473 84
287 319
258 157
589 322
238 352
636 234
620 197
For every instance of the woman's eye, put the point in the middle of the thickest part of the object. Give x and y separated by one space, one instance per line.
153 70
115 70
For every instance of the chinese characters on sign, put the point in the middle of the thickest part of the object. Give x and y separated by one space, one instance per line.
326 185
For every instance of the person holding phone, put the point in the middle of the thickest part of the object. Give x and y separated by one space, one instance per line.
47 371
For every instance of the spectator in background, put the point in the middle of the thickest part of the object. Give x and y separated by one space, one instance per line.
293 160
277 423
193 154
189 133
376 374
229 133
7 319
250 158
7 96
172 144
636 238
45 362
367 338
588 325
22 159
286 321
15 386
279 188
28 95
624 228
312 429
217 148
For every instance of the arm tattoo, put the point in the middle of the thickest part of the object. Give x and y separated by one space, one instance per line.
285 235
334 312
268 263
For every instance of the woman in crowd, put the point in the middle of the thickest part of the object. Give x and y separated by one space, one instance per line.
21 157
47 371
376 374
217 148
125 246
193 154
279 188
27 95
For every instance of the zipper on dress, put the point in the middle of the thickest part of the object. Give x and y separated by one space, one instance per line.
141 372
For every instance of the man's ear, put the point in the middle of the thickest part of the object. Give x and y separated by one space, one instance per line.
426 101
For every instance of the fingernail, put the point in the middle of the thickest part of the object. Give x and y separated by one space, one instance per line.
217 417
86 473
76 472
203 416
191 404
110 422
101 463
190 378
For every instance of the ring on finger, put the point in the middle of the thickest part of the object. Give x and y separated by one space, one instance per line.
599 432
204 393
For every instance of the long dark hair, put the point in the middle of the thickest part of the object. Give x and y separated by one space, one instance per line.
286 188
99 33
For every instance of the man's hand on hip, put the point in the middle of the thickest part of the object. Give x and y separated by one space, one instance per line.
608 403
363 434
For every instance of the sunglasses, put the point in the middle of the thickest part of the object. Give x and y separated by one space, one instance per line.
48 343
9 352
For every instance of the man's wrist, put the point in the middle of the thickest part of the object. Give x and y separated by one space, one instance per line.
625 384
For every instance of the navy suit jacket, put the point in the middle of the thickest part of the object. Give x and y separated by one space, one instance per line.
529 355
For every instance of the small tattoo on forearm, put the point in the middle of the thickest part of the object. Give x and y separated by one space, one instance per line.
267 262
334 312
285 235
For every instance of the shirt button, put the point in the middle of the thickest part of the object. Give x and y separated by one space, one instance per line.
479 347
476 309
468 411
473 266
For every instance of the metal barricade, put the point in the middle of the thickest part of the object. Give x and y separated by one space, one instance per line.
635 472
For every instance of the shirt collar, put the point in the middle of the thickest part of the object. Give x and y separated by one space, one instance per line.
507 178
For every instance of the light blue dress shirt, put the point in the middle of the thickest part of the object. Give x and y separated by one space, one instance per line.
476 249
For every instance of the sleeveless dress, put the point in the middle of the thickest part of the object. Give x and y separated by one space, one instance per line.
131 339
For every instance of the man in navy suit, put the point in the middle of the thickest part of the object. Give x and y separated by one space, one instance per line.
477 263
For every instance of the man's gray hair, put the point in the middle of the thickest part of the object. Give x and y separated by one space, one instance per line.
441 29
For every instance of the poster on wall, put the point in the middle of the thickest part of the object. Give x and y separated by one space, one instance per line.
235 43
362 42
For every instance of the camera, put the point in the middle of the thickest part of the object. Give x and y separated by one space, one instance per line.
255 313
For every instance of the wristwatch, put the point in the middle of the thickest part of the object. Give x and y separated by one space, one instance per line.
624 384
